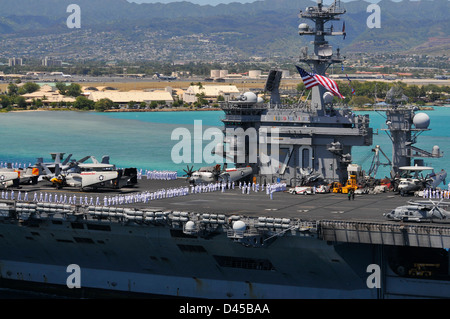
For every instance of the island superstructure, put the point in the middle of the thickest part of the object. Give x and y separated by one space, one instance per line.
309 140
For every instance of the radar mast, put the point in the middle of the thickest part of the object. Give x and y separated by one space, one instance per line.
323 53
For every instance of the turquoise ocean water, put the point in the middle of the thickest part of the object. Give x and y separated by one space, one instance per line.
143 139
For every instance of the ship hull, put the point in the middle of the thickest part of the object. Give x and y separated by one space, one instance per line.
156 260
150 260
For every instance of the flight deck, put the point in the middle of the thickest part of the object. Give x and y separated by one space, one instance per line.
333 217
326 206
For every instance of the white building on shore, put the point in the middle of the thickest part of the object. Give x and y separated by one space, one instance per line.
135 96
210 92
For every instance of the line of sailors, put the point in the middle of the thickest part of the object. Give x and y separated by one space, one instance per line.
13 196
270 188
159 175
143 197
15 165
436 193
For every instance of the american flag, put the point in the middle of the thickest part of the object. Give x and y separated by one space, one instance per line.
311 80
307 78
349 84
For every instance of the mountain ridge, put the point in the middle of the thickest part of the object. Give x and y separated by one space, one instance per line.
405 25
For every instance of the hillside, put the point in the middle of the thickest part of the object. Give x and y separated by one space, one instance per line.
264 28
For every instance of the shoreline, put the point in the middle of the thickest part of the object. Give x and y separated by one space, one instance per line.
163 110
421 108
367 109
118 110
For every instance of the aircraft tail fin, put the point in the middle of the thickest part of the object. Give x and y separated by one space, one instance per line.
45 168
105 159
67 159
84 159
57 169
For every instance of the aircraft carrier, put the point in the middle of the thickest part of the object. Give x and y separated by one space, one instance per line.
168 238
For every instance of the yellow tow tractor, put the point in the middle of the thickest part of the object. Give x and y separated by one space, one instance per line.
336 187
350 185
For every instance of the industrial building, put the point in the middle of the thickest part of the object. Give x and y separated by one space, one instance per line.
123 98
210 93
47 94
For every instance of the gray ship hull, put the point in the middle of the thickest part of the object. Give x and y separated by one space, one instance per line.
157 260
151 260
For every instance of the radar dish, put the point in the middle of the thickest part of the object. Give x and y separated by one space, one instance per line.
325 51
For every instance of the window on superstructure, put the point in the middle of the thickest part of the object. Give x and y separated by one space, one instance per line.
305 158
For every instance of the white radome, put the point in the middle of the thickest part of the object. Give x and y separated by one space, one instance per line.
190 226
421 120
239 225
250 97
328 97
303 27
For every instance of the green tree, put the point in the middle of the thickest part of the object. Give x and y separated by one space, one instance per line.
422 91
12 89
201 99
30 87
83 103
20 101
21 91
37 103
177 102
62 88
103 104
300 87
131 104
359 101
74 90
412 92
5 101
